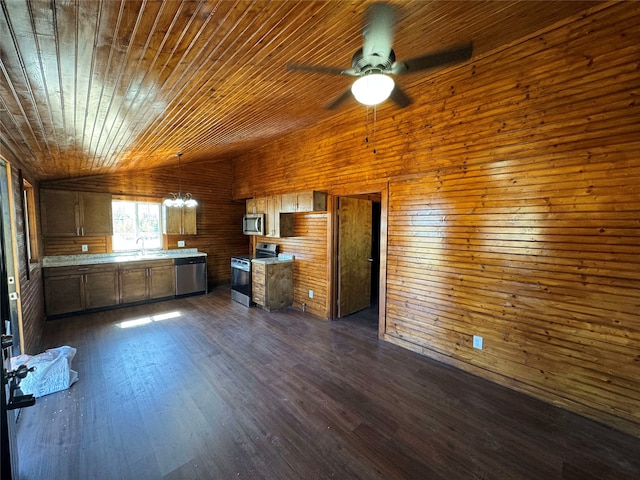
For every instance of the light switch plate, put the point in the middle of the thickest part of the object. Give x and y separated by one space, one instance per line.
181 243
477 342
85 248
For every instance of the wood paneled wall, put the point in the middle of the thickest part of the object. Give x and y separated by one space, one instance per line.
310 267
219 220
512 213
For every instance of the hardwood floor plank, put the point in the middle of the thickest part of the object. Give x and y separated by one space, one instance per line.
204 388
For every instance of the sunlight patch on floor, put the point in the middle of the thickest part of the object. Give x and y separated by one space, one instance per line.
136 322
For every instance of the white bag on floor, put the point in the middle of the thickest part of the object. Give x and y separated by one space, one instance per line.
52 374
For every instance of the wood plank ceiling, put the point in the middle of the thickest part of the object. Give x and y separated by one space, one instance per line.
97 86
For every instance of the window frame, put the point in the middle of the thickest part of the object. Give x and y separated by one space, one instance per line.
30 223
138 200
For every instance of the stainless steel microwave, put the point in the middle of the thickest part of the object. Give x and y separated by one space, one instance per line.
253 224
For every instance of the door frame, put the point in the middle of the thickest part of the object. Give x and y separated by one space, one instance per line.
11 254
332 242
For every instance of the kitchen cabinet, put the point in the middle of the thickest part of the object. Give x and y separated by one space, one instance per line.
257 205
146 280
272 284
310 201
277 224
78 288
69 213
179 221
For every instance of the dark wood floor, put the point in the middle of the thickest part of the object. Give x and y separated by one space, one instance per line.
225 392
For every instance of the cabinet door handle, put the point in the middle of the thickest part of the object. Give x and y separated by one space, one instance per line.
82 230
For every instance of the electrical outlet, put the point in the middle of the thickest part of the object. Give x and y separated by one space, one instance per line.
477 342
310 293
85 248
181 243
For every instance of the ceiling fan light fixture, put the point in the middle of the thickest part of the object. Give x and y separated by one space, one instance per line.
372 89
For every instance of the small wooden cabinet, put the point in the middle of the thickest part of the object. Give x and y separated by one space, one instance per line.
277 224
179 221
73 289
272 284
146 280
257 205
67 213
304 202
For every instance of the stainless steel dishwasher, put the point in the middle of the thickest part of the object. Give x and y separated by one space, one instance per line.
191 276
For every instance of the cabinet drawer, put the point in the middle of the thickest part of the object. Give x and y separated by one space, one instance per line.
79 269
258 269
257 289
258 298
145 264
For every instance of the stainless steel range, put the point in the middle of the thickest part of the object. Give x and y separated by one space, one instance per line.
241 271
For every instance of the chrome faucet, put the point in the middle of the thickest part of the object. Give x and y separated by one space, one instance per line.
140 239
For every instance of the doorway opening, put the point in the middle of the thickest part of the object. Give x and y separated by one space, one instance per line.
357 266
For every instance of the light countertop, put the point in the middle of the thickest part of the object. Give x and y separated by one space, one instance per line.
101 258
281 258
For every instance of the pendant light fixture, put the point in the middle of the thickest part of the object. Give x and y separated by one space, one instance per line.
176 199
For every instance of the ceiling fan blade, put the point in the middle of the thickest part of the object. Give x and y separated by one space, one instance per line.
339 100
458 53
399 97
301 67
377 33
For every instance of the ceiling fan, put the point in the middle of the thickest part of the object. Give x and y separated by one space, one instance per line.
376 60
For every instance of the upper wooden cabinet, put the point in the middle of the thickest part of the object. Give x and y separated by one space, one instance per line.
277 224
257 205
304 202
278 209
68 213
179 221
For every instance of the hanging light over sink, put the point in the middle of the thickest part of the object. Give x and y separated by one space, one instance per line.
177 199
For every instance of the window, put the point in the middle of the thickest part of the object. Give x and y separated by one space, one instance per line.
135 220
30 234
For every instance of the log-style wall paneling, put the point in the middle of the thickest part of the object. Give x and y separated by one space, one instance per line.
513 211
219 220
309 245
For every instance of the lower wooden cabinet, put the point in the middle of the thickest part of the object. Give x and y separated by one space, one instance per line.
73 289
140 281
87 287
272 284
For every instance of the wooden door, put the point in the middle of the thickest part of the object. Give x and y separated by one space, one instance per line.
63 294
273 217
95 211
289 203
172 220
189 221
133 284
354 253
162 281
60 213
101 289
